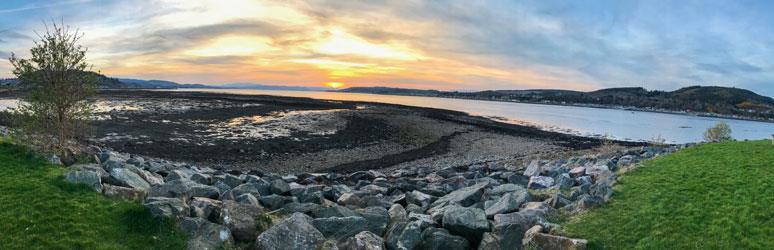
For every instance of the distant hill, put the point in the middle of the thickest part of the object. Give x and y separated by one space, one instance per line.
697 99
158 84
268 87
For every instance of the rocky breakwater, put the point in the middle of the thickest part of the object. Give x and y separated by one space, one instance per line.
472 207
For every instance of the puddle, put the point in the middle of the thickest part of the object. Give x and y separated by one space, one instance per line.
278 124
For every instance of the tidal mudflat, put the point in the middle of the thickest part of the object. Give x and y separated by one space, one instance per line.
293 135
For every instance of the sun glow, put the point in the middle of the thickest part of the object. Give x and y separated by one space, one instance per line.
342 43
233 46
335 85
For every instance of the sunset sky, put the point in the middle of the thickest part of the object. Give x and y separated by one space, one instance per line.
450 45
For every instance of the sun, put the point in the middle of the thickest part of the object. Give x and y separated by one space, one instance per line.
335 85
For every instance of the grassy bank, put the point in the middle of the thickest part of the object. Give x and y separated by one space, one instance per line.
715 196
39 210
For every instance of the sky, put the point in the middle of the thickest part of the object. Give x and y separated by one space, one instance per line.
448 45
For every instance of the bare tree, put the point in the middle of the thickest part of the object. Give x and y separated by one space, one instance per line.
55 110
719 133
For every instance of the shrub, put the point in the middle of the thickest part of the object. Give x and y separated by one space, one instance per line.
719 133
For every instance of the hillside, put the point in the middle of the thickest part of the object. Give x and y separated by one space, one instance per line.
697 99
105 82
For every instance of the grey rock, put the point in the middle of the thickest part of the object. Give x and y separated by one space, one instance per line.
184 189
577 172
333 211
538 182
202 179
378 219
509 229
508 203
203 234
103 175
349 199
240 219
404 235
504 189
464 197
295 207
490 241
419 198
205 208
564 181
280 187
363 241
89 178
123 192
166 207
533 169
126 178
340 228
274 202
397 213
248 199
466 221
440 239
257 189
294 233
547 241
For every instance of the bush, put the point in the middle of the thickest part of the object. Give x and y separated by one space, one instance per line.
719 133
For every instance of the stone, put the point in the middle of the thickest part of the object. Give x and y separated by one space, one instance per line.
577 172
295 207
166 207
601 190
490 241
206 208
333 211
202 179
126 178
123 192
54 160
349 199
103 175
280 187
509 229
509 202
248 199
89 178
378 219
340 228
203 234
231 180
257 189
419 198
404 235
424 219
397 213
564 181
504 189
184 189
240 219
178 174
466 221
363 241
440 239
150 178
294 232
547 241
274 202
583 180
533 169
464 197
539 182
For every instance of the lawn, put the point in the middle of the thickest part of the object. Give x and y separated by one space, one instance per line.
39 210
714 196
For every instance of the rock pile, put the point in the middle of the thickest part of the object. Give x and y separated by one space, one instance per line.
473 207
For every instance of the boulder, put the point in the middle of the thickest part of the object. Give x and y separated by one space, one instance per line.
419 198
504 189
205 208
424 219
538 182
203 234
103 175
508 203
280 187
547 241
295 207
248 199
509 229
274 202
564 181
490 241
150 178
363 241
464 197
240 219
404 235
202 179
378 219
333 211
294 232
126 178
466 221
166 207
89 178
397 213
349 199
440 239
577 172
340 228
533 169
184 189
124 192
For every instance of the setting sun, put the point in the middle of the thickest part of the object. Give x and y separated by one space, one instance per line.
334 85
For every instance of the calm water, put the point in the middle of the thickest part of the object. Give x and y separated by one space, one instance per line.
620 124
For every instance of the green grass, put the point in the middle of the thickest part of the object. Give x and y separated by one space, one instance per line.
39 210
714 196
